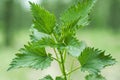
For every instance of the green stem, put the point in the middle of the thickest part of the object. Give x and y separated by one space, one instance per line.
56 53
65 56
73 70
56 59
52 35
63 66
59 62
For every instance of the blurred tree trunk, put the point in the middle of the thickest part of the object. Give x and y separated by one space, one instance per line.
115 15
101 14
7 21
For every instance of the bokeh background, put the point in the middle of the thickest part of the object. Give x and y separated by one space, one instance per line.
15 22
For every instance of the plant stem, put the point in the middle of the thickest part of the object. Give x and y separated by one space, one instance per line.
63 66
56 59
73 70
61 63
65 56
56 53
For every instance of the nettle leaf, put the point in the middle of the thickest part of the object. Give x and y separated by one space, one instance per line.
43 20
74 46
78 14
95 77
59 78
93 60
43 40
71 44
33 57
48 77
36 35
46 41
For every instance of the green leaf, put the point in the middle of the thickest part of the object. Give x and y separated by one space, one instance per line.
43 40
78 14
35 36
33 57
74 47
48 42
93 60
59 78
43 20
65 34
48 77
94 77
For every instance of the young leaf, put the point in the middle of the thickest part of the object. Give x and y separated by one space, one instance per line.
93 60
48 77
48 42
33 57
36 35
43 40
78 14
94 77
74 47
43 20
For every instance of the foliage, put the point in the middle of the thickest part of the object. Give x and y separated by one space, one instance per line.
61 37
94 77
93 60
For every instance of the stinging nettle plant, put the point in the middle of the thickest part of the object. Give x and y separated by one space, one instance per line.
61 37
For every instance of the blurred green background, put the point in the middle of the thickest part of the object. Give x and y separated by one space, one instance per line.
15 22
